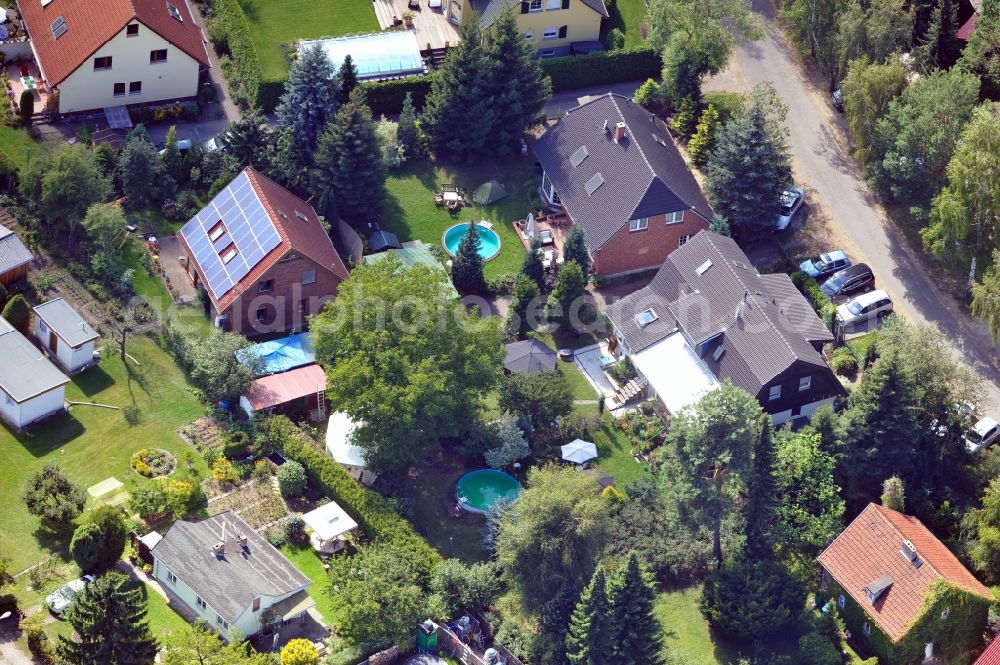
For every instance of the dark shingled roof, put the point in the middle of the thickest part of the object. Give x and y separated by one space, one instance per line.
644 175
490 10
709 291
230 583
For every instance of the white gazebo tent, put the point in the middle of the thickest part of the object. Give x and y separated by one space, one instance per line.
338 444
328 525
579 451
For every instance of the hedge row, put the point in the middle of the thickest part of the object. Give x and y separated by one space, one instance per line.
820 301
602 67
386 97
234 25
375 514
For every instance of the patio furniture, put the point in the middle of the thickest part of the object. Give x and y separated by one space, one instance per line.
451 195
548 258
486 224
454 206
413 4
29 82
546 236
439 200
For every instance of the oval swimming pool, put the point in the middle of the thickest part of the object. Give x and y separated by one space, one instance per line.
478 490
489 241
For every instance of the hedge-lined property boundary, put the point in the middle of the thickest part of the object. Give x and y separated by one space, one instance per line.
602 67
233 25
387 96
820 301
375 514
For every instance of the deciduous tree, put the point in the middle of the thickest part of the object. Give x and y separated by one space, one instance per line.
216 370
459 585
405 360
554 534
876 29
980 54
138 170
965 216
566 302
894 494
109 617
542 398
986 297
868 88
513 446
54 497
299 651
813 27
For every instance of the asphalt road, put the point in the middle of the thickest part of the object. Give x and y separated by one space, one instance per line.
822 161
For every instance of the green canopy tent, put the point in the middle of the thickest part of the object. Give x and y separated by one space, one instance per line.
489 193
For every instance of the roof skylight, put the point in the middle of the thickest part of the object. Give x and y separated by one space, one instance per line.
577 157
596 181
703 268
646 317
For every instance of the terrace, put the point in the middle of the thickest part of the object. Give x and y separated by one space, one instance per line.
431 26
553 229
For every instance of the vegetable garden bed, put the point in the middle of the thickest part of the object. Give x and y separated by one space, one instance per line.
257 503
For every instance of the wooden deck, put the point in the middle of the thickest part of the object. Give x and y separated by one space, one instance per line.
431 26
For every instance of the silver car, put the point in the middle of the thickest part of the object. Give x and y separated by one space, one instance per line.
59 600
791 202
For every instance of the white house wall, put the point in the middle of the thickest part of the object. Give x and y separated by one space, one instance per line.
36 408
86 89
249 621
78 357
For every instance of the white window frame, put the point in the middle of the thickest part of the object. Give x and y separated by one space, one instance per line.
867 629
200 602
675 217
171 577
640 224
534 5
309 277
945 613
229 255
216 231
119 94
550 34
42 327
683 240
774 393
138 92
529 34
805 383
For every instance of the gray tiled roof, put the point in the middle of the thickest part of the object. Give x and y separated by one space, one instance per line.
60 317
489 10
765 324
644 174
13 253
25 371
230 583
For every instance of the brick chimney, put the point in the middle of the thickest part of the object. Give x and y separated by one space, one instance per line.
619 132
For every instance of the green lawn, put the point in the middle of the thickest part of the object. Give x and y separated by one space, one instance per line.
614 452
692 642
410 212
15 142
311 566
275 23
93 443
626 15
191 317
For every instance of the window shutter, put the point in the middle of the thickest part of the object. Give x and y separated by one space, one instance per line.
562 32
565 4
524 7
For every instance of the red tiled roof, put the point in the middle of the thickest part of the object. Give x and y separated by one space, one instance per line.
870 548
991 656
91 24
307 237
277 389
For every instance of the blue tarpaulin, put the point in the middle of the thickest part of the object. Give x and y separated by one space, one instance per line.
281 355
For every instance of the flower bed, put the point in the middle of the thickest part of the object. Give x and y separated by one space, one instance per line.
153 462
257 503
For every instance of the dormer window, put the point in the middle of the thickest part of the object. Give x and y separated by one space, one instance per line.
875 589
646 317
640 224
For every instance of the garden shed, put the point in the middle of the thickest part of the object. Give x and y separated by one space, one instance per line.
300 389
65 335
31 387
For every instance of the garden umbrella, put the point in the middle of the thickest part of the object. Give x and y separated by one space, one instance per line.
489 192
528 357
579 451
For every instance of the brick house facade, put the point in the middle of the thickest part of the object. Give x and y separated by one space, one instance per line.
292 278
614 169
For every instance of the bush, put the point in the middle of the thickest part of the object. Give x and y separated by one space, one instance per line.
817 649
375 514
291 478
727 104
386 97
751 599
27 107
236 444
581 71
615 40
18 313
232 27
843 362
294 529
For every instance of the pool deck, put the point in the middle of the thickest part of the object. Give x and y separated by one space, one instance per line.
588 359
432 28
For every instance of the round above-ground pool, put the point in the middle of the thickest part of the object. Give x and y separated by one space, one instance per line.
477 491
489 241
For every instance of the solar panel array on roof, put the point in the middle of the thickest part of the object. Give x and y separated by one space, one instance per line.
246 229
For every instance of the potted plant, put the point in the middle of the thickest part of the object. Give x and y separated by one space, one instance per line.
408 19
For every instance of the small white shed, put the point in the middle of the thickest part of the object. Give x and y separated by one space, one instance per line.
63 332
329 525
338 444
31 387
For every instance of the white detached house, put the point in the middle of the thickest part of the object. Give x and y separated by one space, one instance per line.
95 55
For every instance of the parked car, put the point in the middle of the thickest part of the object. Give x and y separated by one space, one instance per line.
982 434
963 410
837 99
871 305
791 202
853 279
183 145
217 142
59 600
824 265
